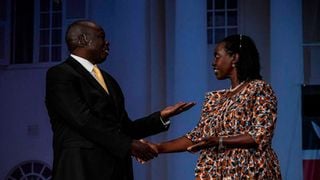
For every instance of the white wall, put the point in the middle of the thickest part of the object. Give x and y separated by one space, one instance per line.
25 130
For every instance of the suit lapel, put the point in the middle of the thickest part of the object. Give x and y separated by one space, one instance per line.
111 89
84 73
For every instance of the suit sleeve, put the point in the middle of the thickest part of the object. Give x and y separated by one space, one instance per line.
66 103
146 126
142 127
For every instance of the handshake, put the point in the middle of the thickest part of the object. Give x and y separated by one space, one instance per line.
144 151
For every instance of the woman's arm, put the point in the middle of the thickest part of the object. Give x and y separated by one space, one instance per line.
238 141
176 145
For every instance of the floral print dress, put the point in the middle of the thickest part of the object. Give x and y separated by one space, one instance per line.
250 111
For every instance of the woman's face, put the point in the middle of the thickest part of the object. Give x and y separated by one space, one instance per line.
222 63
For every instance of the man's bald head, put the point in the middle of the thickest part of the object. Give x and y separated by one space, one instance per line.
86 39
76 30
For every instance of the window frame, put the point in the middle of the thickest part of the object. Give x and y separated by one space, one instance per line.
5 24
225 27
35 63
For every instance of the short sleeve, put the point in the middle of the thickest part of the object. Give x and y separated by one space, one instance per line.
264 114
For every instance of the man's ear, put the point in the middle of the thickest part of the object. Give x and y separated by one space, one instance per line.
83 40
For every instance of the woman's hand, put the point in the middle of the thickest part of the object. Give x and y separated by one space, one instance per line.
152 146
203 143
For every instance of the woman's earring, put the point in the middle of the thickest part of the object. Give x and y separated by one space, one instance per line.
233 65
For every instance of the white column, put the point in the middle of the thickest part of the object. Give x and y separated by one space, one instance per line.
127 30
156 170
187 76
286 78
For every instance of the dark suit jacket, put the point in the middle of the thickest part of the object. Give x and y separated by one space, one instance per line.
92 132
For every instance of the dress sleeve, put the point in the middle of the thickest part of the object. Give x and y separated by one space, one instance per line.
264 115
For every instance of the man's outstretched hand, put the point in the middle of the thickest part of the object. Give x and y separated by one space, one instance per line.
176 109
142 151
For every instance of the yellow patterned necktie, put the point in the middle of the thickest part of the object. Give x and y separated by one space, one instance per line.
99 77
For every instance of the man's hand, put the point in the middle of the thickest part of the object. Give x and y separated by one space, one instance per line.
178 108
142 151
152 145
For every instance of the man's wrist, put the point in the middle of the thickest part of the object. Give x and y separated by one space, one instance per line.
164 121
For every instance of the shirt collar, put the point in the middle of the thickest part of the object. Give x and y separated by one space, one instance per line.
84 62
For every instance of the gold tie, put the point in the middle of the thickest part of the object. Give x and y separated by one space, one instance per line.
99 77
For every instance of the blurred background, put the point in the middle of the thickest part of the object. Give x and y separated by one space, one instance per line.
160 53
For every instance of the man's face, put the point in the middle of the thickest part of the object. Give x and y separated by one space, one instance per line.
98 47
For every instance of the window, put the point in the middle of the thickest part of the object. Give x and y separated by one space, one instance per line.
222 19
311 41
22 32
50 31
4 32
36 34
37 29
29 170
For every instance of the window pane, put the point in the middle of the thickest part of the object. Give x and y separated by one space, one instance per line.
311 64
17 174
56 53
3 11
232 31
311 21
46 173
22 50
56 20
209 19
44 54
1 42
219 4
232 4
26 168
210 37
44 5
44 37
219 35
219 19
232 18
209 4
56 5
37 168
45 20
56 36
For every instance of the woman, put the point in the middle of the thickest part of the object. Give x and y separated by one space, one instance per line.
235 131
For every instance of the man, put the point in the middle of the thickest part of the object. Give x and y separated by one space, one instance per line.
93 137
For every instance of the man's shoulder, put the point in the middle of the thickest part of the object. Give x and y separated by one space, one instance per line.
56 67
62 67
